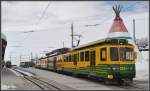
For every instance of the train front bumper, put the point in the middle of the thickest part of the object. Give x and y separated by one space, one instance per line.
122 72
126 75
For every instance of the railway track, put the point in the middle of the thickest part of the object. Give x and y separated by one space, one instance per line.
127 86
45 84
132 87
42 83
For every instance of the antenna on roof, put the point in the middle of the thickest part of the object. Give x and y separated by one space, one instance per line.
117 10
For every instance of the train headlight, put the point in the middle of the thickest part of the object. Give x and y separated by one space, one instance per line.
110 76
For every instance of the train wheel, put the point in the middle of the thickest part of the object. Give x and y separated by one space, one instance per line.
120 82
107 82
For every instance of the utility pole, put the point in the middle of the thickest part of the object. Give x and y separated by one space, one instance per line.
20 60
63 44
134 38
134 31
31 56
72 35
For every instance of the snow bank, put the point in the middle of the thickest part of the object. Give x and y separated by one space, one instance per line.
7 87
142 63
142 66
26 73
16 73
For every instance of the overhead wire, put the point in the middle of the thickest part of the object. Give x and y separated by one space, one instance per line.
78 17
124 9
42 15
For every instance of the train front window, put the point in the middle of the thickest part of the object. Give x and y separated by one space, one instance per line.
114 54
122 54
126 54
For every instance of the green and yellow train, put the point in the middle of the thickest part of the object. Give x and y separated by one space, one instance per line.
105 59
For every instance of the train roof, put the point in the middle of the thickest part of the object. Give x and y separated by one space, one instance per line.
103 41
43 57
3 37
90 44
58 51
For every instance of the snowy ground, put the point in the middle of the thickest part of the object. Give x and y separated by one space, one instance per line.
142 66
8 87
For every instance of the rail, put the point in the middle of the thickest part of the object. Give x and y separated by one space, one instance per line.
41 83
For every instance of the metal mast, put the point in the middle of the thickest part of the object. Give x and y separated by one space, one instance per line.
72 35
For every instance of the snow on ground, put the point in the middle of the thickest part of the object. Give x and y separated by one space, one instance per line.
7 87
16 73
142 66
26 73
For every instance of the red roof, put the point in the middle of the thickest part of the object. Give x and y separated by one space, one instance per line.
118 26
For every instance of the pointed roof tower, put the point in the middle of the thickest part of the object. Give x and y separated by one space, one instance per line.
118 29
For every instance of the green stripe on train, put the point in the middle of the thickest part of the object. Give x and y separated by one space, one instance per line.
103 69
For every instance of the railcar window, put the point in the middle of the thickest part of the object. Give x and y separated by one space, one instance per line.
126 54
75 57
87 56
69 58
114 54
103 54
82 56
72 57
65 58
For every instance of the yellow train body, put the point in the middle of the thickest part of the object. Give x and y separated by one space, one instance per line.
97 58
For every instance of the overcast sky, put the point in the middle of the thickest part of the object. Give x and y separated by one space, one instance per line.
51 23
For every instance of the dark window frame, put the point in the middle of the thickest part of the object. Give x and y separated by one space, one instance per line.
87 56
93 57
114 54
70 58
82 56
124 51
65 58
75 57
101 50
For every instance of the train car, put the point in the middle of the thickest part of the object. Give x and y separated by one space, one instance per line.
8 64
37 63
42 63
109 59
3 47
26 64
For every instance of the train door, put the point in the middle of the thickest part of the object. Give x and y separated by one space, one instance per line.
47 62
54 62
92 58
75 59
